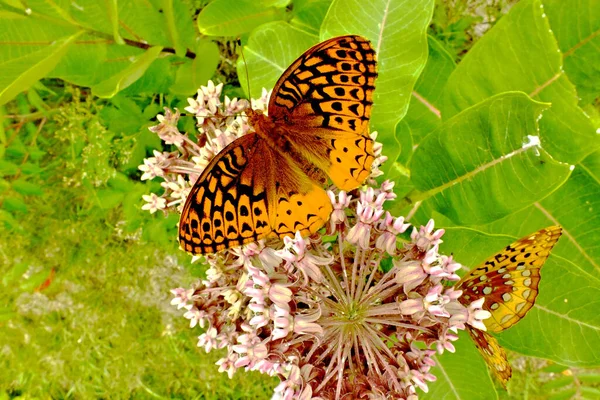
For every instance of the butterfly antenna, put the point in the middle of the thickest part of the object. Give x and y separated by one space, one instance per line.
246 69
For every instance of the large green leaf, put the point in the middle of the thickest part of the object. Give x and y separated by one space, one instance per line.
399 150
564 324
157 78
577 29
424 114
87 63
195 72
485 162
520 53
270 50
397 29
461 375
309 14
123 79
18 74
575 207
96 55
174 21
234 17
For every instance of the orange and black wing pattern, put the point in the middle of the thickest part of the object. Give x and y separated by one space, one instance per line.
254 188
509 282
325 97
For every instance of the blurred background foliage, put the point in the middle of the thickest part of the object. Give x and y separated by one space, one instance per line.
84 304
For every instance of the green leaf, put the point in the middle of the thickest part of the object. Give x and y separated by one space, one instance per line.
399 149
397 30
113 15
14 204
270 50
124 115
563 325
172 23
577 30
6 314
19 73
8 168
109 198
461 375
484 164
424 114
554 368
27 188
85 64
566 394
120 81
144 141
558 383
309 14
589 377
149 21
520 54
234 17
575 207
193 73
590 392
158 78
15 273
109 61
9 222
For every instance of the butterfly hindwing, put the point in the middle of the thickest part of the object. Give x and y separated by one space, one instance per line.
305 211
247 192
326 97
493 354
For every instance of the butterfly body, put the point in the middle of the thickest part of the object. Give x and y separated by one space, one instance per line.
276 136
508 281
270 181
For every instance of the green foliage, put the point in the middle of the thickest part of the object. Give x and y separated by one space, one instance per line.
576 30
520 53
232 18
105 48
455 170
464 90
86 275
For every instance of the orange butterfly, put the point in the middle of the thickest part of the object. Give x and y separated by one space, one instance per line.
509 283
270 181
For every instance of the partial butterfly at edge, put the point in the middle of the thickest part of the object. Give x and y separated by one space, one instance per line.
509 283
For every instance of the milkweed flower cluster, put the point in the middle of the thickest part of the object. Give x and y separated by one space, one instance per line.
358 311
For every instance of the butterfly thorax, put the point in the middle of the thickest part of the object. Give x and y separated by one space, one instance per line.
273 132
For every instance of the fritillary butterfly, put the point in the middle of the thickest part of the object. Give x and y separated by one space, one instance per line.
509 283
270 182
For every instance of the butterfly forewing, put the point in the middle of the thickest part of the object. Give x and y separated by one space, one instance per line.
228 204
325 97
509 283
509 280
